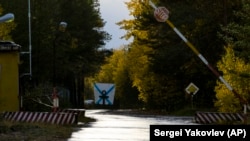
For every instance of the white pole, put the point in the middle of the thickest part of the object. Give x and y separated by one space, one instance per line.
152 4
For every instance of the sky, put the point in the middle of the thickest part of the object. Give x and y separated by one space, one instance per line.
113 11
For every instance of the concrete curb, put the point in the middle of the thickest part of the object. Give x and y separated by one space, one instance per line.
214 117
41 117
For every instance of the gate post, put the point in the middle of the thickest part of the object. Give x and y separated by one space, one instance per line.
55 100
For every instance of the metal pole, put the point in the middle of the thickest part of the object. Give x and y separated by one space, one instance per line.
54 62
30 46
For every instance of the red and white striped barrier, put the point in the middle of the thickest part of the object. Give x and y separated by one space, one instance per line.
214 117
42 117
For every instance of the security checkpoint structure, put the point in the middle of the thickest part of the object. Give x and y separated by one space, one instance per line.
10 99
162 14
9 76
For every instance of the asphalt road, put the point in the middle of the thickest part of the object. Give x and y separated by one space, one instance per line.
123 125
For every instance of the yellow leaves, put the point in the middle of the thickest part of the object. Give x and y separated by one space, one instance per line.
226 101
139 72
125 24
236 72
74 43
139 65
132 64
115 64
135 7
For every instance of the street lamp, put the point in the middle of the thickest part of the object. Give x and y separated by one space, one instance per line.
7 18
62 27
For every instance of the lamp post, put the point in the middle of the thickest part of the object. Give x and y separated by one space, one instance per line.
30 45
62 28
29 52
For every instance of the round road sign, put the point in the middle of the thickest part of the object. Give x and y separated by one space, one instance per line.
161 14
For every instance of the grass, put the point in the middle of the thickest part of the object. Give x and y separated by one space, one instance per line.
17 131
34 132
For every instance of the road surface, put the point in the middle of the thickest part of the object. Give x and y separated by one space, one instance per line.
111 126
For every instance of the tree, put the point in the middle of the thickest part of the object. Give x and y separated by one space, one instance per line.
149 70
170 66
236 32
234 63
84 36
116 71
236 72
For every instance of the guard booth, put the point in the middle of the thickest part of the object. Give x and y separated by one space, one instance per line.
9 76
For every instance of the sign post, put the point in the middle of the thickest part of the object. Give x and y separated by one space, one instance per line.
192 90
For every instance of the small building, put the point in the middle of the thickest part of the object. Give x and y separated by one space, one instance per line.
9 76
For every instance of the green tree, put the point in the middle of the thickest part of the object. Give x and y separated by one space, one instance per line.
236 32
234 63
76 59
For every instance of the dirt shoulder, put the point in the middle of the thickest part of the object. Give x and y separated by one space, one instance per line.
34 132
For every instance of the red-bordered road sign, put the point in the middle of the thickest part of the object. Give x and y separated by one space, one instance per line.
161 14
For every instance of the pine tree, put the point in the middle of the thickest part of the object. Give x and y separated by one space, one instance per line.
235 63
237 32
